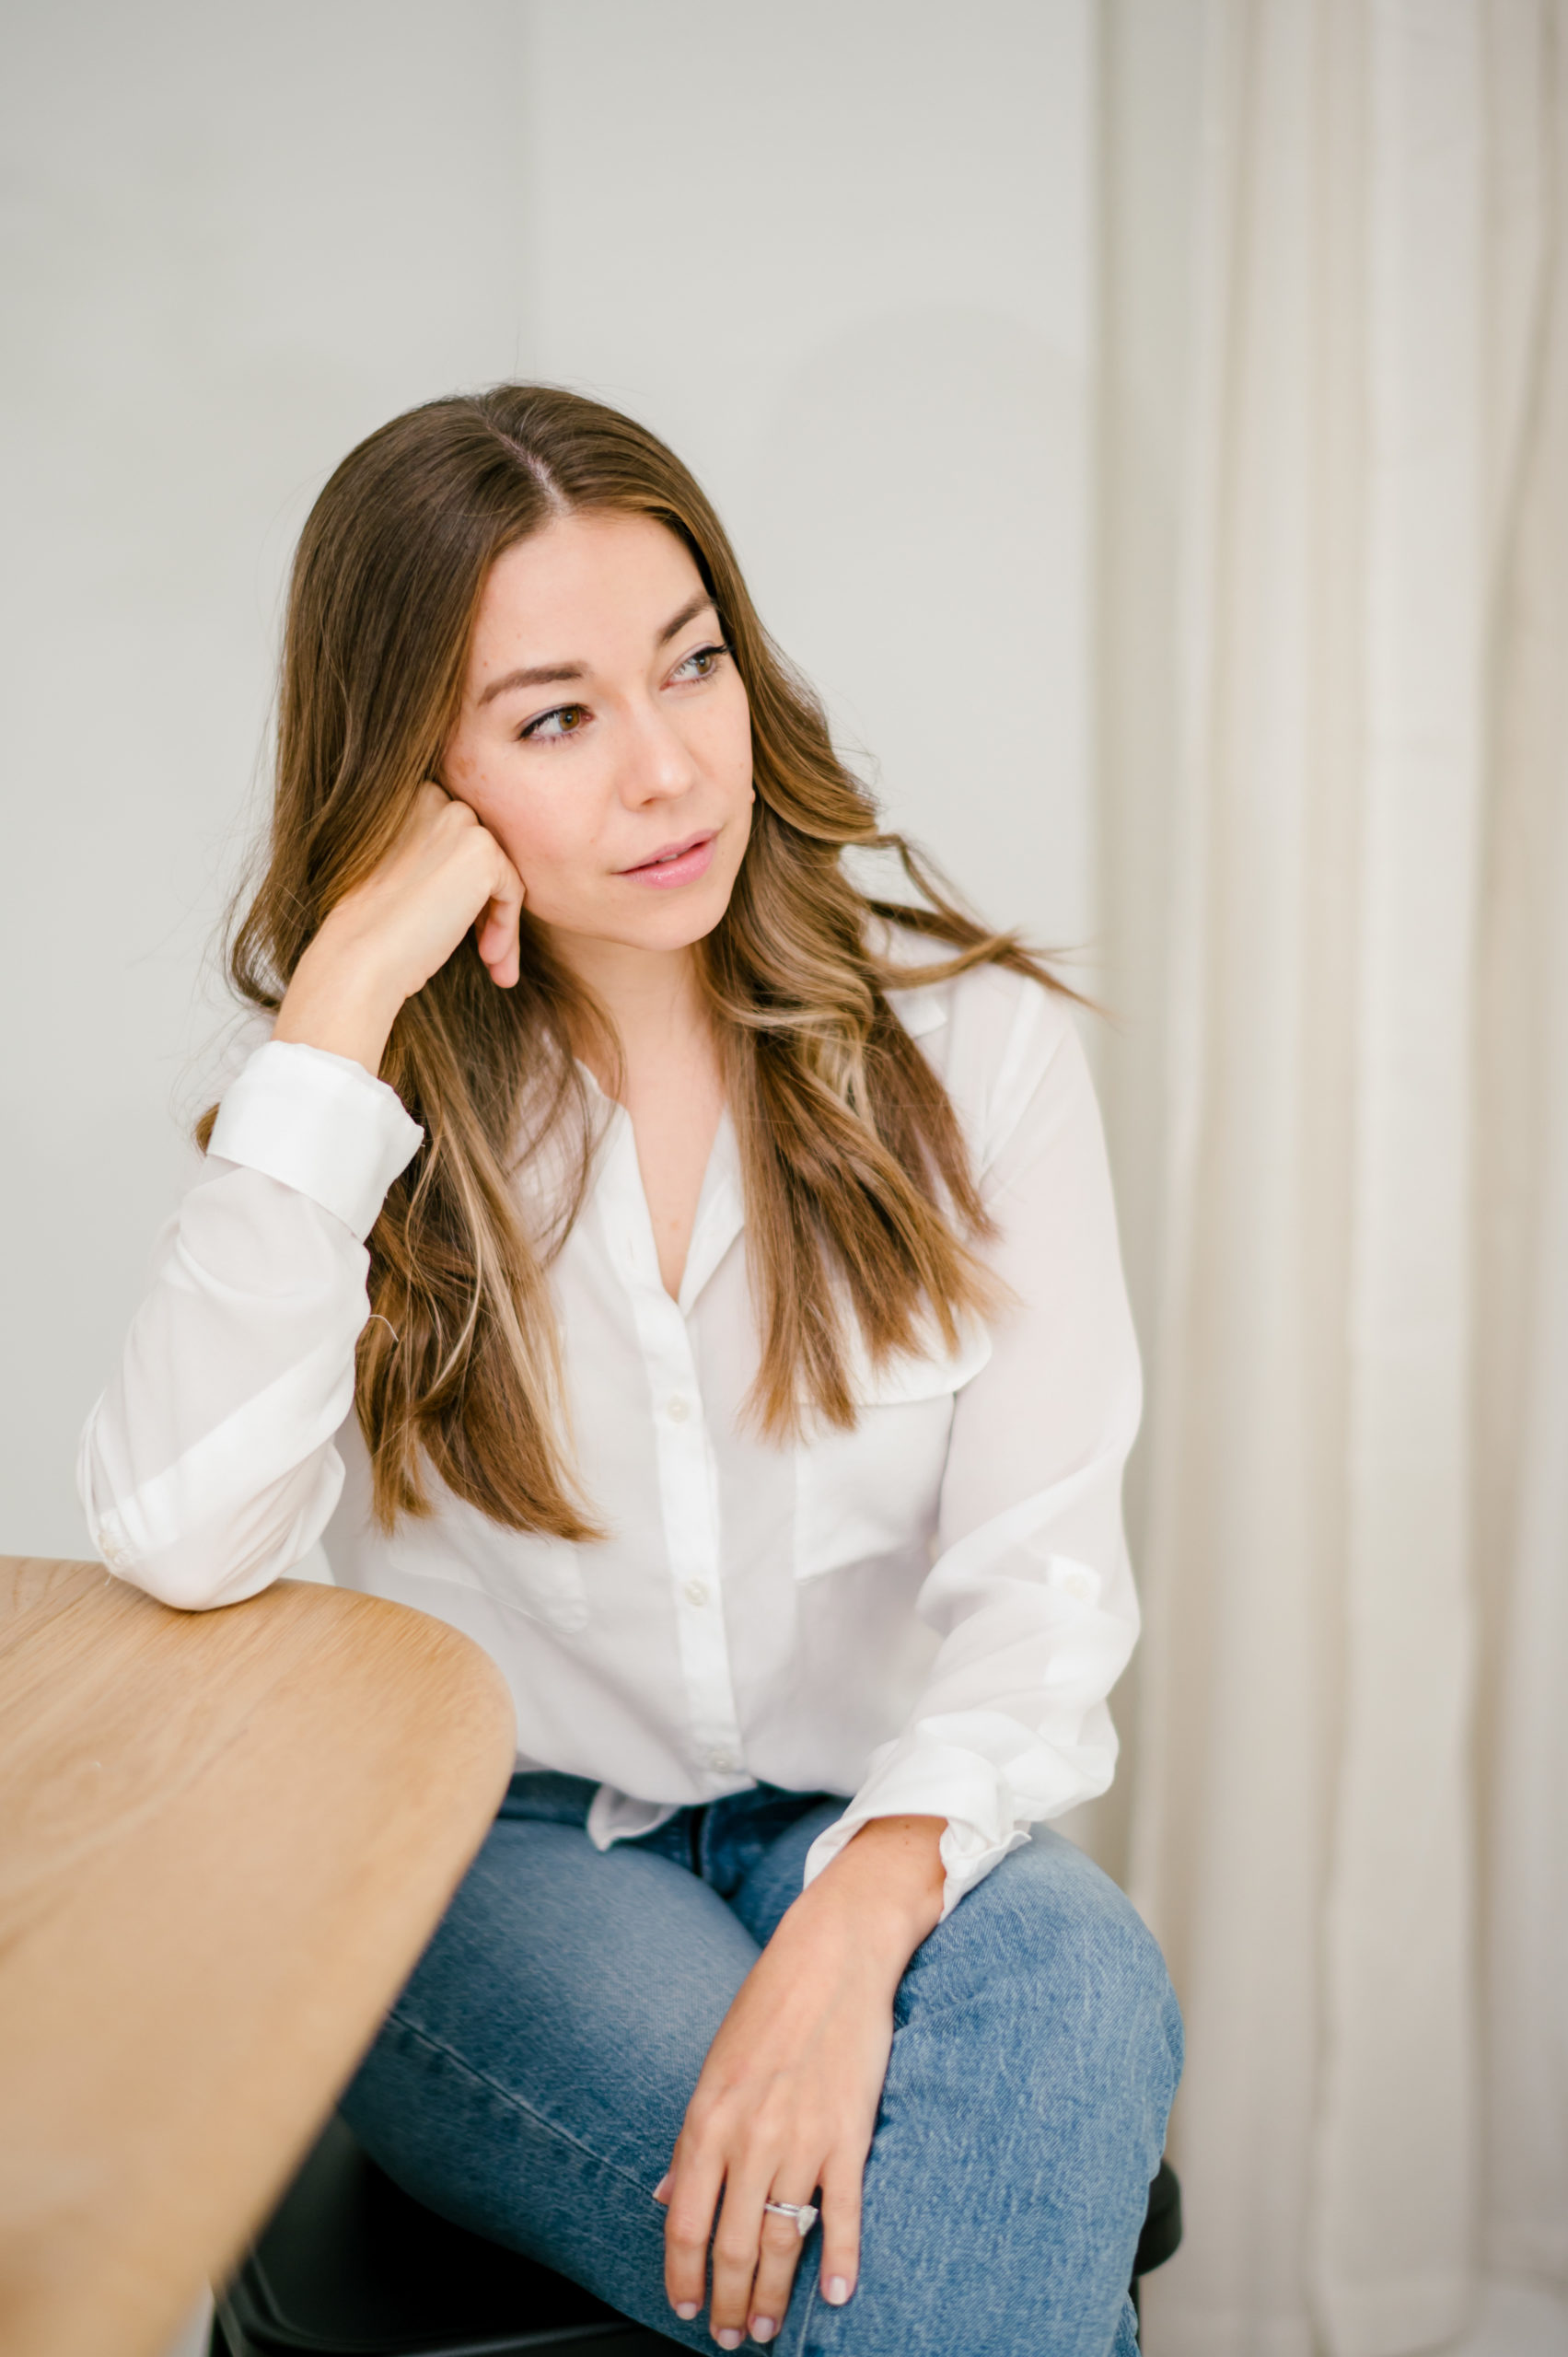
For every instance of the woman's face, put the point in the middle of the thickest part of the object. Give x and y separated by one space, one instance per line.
605 739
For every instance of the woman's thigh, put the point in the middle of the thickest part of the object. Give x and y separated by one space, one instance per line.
531 2078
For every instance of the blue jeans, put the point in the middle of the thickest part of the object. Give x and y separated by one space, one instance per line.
530 2081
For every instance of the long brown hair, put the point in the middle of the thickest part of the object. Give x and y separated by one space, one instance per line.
860 1202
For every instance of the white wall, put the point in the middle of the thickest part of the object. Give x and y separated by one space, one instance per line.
837 253
238 240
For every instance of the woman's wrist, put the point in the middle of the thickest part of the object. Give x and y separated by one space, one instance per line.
888 1880
340 1005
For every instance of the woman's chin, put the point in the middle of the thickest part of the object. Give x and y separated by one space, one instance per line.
657 921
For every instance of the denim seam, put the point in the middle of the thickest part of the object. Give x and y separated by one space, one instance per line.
483 2078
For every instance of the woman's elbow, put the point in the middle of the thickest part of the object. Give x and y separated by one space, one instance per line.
187 1578
226 1556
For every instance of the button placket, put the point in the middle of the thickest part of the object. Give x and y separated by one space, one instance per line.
687 1477
690 1519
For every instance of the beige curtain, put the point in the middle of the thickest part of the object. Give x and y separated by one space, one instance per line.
1334 801
1521 1160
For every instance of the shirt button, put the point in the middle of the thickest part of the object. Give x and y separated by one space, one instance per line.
724 1761
677 1410
695 1592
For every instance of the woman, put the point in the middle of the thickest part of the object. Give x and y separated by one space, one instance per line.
698 1281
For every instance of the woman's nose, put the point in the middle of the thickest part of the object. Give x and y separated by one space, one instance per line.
660 765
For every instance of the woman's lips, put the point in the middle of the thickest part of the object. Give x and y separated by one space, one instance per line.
680 863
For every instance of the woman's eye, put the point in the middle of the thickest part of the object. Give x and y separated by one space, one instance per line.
564 721
701 664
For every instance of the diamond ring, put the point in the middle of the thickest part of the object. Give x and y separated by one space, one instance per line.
803 2212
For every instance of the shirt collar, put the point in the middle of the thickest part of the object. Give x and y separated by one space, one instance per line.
721 1213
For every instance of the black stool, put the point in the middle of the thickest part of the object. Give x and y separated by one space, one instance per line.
349 2265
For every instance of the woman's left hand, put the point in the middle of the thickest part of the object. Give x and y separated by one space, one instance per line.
787 2098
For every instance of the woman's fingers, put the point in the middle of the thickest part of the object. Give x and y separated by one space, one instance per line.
444 872
499 921
741 2234
692 2190
496 927
431 798
380 942
754 2251
782 2243
841 2229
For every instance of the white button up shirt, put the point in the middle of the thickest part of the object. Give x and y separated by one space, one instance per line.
925 1614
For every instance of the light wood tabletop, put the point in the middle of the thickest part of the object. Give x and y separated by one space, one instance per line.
224 1839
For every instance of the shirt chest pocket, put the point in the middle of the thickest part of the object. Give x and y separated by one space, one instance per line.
874 1492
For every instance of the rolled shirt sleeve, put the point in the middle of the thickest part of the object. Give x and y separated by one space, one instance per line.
1030 1588
206 1468
320 1124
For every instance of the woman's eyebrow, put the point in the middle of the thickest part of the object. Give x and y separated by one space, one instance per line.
688 612
539 675
535 677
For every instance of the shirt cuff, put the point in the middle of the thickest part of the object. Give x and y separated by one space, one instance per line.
319 1123
916 1778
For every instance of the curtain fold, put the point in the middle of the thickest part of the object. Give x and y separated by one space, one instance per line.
1394 2211
1332 555
1522 1160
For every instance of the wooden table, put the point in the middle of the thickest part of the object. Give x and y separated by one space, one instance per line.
225 1837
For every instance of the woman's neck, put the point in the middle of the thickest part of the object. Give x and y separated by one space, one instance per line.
670 1082
653 998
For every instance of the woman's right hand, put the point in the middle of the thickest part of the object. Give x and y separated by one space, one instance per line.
383 941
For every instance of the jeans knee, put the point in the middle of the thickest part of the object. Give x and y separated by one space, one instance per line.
1133 2008
1113 1987
1076 1978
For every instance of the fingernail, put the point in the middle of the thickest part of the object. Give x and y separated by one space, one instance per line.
686 2310
661 2188
763 2328
837 2290
729 2337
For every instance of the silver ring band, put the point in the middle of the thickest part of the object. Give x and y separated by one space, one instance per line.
803 2212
